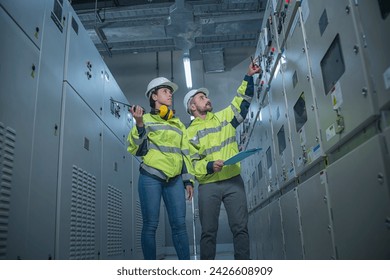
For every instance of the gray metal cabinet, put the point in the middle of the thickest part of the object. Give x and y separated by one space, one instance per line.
315 219
45 153
276 231
18 91
268 154
373 26
116 207
360 202
344 94
282 133
79 194
302 109
29 15
264 246
291 225
84 67
115 114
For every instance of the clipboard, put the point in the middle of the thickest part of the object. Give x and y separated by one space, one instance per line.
240 156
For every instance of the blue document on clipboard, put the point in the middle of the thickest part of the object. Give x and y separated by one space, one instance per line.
240 156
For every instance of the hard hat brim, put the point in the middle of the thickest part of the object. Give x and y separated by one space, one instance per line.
168 84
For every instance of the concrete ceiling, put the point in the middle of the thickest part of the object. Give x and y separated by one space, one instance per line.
204 28
143 39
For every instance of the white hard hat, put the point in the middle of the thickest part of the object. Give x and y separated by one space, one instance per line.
160 81
191 94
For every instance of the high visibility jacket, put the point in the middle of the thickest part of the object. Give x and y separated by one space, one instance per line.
214 138
163 147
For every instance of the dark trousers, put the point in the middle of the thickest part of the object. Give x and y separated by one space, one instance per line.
232 193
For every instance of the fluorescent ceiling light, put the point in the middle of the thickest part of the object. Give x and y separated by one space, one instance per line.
187 71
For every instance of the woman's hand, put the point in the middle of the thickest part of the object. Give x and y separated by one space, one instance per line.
137 112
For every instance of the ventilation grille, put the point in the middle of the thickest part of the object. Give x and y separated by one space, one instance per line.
114 223
213 61
7 152
83 215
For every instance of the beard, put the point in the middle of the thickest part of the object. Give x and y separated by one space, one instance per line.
206 108
209 107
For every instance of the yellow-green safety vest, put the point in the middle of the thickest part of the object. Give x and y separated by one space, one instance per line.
167 147
214 138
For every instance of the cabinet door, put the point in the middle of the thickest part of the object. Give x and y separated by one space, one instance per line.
315 219
360 202
84 67
291 225
78 224
28 15
344 94
268 153
116 205
281 131
115 111
19 77
45 152
373 25
276 232
302 112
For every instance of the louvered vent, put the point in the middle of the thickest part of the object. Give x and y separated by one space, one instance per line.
83 215
114 223
7 152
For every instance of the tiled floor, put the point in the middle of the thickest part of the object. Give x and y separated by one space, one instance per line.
220 256
224 252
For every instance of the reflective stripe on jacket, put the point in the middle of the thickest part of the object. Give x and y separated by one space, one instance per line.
214 138
163 147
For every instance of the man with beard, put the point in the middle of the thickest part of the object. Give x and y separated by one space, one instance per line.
213 140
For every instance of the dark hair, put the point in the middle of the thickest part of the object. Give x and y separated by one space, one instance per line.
152 103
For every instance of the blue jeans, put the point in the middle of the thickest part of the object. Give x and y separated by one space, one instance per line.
150 191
